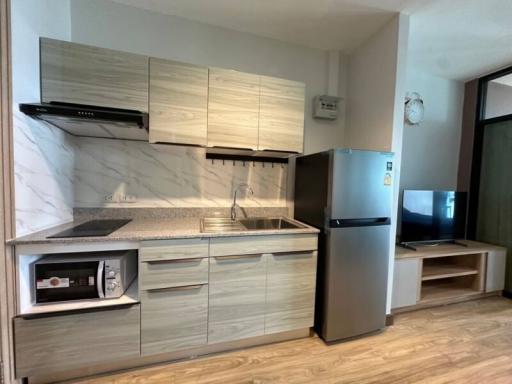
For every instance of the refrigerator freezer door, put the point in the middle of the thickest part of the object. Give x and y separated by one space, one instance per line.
361 184
355 286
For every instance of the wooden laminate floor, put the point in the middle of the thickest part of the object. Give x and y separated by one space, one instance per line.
462 343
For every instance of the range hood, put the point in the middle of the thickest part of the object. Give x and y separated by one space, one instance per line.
91 121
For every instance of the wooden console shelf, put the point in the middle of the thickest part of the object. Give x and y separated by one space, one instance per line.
435 272
446 273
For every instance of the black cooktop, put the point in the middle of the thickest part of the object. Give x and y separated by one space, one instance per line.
92 228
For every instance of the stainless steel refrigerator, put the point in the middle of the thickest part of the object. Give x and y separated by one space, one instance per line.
347 194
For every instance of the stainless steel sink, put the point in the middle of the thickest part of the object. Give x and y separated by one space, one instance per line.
221 224
258 224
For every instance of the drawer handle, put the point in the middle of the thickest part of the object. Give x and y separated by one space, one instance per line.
291 253
190 260
182 288
237 257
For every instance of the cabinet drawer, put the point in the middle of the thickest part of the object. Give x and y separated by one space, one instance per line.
223 246
237 297
174 319
173 273
173 249
56 343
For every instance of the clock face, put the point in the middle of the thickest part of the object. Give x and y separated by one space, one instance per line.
414 111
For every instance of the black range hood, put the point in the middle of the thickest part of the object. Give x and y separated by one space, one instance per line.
91 121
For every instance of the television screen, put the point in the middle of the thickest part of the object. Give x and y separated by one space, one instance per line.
433 216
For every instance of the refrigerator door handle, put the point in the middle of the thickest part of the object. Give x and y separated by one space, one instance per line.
369 222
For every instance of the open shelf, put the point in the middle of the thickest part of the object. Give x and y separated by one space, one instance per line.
443 271
131 296
448 289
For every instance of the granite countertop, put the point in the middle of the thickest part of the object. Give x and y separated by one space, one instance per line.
149 229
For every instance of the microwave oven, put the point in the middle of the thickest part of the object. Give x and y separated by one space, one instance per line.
81 276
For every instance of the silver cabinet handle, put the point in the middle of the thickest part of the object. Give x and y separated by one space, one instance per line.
189 260
291 253
182 288
237 257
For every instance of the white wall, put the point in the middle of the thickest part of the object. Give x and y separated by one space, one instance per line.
430 154
43 155
372 76
376 92
111 25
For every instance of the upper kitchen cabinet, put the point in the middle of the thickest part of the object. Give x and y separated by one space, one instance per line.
281 122
82 74
233 109
178 101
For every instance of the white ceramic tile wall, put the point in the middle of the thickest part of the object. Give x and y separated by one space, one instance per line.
43 171
168 176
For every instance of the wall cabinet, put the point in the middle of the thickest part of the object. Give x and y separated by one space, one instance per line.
82 74
187 104
61 342
281 120
178 101
291 282
233 109
237 297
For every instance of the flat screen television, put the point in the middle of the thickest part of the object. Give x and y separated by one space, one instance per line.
433 216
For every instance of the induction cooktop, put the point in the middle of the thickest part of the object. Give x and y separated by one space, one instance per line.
92 228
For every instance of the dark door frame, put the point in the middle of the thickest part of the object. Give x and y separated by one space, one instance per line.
480 123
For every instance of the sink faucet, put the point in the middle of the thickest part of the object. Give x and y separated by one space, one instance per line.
233 206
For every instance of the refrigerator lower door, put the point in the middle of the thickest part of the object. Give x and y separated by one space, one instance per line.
355 284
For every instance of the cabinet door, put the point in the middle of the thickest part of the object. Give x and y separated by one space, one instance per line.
281 122
495 271
82 74
63 342
177 102
291 282
237 297
173 319
233 109
406 283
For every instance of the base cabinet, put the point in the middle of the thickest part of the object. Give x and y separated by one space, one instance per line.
237 297
62 342
406 283
495 270
173 319
291 281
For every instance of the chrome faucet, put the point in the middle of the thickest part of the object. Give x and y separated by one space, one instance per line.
233 206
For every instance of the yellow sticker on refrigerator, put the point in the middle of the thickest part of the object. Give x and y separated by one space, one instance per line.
387 178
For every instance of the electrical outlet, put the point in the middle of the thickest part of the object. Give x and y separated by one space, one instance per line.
127 199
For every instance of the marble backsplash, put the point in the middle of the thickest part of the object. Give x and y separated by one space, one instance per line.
43 174
166 176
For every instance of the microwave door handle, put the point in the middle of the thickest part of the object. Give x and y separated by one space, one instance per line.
99 279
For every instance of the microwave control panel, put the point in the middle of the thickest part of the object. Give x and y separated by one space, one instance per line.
113 281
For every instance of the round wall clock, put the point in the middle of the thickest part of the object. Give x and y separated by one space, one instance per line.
414 109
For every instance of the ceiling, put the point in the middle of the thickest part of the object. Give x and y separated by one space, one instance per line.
324 24
461 39
457 39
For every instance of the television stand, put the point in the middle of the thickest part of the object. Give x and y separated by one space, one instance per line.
414 246
446 273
